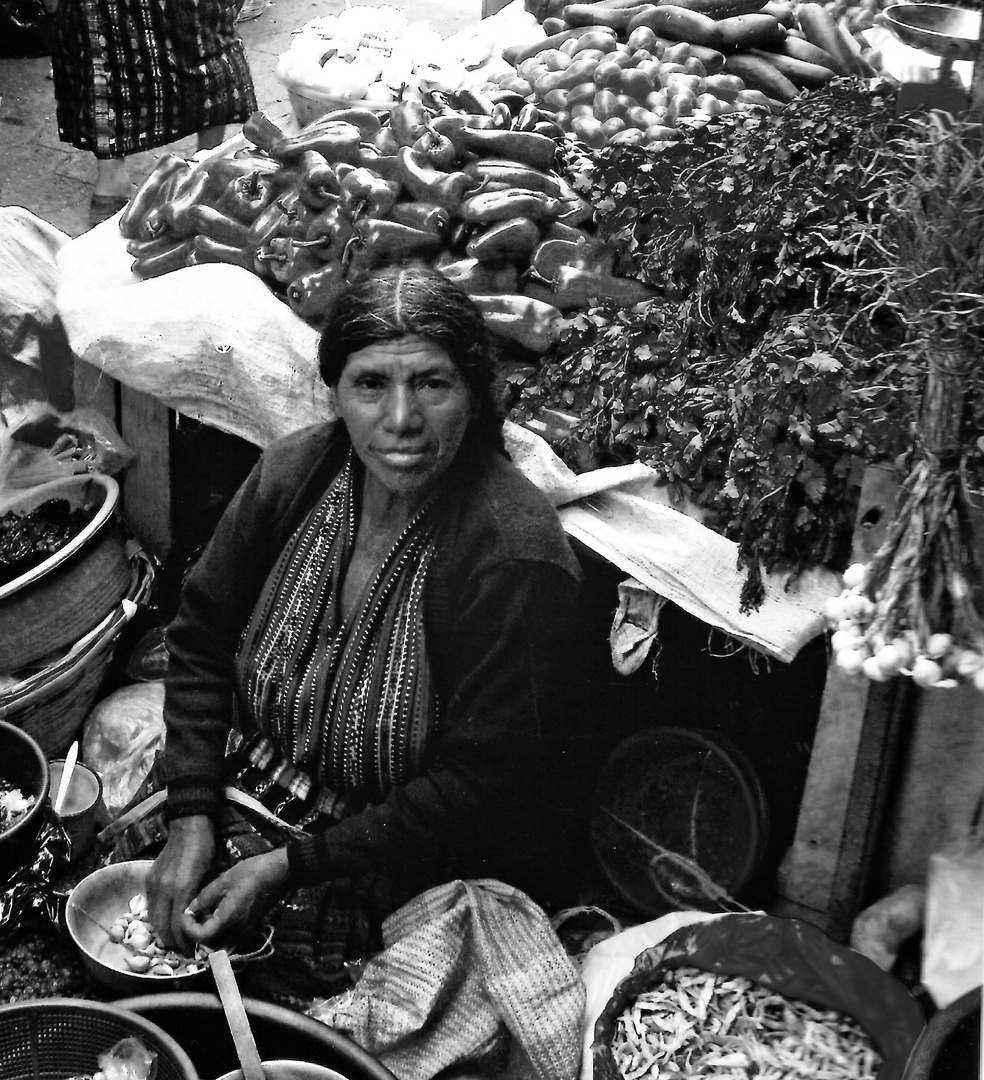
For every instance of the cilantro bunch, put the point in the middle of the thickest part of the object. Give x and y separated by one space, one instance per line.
765 375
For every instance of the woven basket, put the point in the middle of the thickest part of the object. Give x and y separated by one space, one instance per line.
51 704
56 1038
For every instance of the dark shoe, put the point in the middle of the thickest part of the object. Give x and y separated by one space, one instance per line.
102 207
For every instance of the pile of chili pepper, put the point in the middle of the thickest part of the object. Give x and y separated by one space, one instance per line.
462 181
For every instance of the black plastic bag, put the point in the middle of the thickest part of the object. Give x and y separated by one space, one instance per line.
791 957
25 29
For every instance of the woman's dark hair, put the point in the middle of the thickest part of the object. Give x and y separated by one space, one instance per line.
415 299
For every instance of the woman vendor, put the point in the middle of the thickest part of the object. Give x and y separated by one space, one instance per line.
380 646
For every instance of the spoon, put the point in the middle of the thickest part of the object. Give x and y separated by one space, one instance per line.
66 777
235 1012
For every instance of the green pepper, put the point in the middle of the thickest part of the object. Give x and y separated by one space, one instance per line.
176 212
578 211
245 197
336 140
385 165
483 209
141 249
430 185
527 118
211 222
472 276
438 149
364 194
174 256
505 241
299 214
471 101
222 171
408 120
528 147
316 182
421 215
329 233
271 221
262 132
502 118
311 294
289 258
144 199
155 224
375 242
208 250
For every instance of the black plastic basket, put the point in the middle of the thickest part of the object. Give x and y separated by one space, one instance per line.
56 1038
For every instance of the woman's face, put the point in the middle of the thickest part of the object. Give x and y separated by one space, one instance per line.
406 407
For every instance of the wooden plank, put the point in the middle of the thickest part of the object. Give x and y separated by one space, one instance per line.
855 751
94 389
146 426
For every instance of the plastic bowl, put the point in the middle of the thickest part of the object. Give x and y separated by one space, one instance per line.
92 907
60 1037
23 764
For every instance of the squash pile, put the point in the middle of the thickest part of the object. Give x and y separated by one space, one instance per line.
626 72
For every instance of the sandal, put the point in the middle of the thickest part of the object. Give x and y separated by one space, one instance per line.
102 207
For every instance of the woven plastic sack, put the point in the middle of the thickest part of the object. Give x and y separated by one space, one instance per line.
211 342
473 980
791 957
953 948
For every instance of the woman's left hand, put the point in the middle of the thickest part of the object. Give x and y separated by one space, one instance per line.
237 899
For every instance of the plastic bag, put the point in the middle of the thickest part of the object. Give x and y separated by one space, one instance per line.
793 958
129 1059
120 740
952 943
42 444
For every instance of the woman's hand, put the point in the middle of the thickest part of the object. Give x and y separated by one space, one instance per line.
176 876
237 900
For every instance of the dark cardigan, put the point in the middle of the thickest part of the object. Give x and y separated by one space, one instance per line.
504 792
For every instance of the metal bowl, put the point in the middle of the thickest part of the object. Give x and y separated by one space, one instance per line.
23 764
940 29
92 907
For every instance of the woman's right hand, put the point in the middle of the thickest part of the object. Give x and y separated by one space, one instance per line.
176 878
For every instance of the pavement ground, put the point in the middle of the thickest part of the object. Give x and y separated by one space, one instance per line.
53 179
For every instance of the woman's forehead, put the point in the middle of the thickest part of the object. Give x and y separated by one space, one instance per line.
406 353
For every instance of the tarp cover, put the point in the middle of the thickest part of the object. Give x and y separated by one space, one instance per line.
212 342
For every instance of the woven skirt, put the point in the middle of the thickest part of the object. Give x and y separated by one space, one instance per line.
132 75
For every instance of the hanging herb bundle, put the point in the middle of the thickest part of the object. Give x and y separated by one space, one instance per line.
918 606
752 381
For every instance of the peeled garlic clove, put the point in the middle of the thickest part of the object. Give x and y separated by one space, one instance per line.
117 932
138 937
138 963
855 574
138 904
162 969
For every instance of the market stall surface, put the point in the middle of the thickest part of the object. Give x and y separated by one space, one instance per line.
52 178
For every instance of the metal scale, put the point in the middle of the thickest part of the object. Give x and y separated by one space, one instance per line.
951 33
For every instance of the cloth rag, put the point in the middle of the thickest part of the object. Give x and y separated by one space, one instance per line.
473 981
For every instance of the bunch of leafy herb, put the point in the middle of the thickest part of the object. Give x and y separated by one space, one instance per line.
766 372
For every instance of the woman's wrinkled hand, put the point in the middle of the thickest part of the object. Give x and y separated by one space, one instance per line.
176 877
237 900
